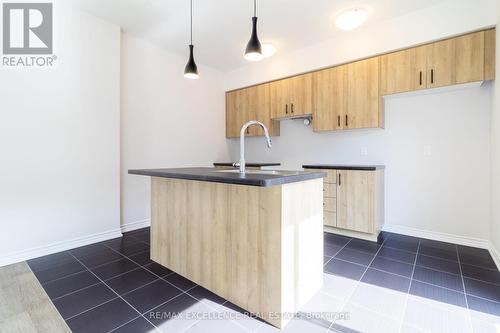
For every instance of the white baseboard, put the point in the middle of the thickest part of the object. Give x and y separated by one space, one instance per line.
35 252
439 236
495 254
136 225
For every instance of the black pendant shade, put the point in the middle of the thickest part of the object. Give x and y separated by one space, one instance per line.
191 70
253 51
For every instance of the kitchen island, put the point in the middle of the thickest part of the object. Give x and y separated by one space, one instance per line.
255 239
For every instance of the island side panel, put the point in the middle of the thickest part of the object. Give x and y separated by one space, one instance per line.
302 243
224 237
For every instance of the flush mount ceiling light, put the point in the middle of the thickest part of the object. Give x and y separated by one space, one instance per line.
191 70
268 50
351 19
253 51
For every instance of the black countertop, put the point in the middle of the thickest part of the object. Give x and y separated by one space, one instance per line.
251 178
344 167
256 165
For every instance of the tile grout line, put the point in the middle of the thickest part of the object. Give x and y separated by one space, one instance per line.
350 239
91 308
59 278
111 278
161 278
113 290
74 291
408 292
126 323
465 295
359 281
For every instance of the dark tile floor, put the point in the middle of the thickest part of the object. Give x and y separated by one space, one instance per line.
400 284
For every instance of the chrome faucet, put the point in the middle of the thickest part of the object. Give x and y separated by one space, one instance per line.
241 163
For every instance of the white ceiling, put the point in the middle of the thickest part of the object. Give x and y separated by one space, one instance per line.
222 27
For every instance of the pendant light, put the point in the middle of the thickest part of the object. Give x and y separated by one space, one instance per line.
191 70
253 51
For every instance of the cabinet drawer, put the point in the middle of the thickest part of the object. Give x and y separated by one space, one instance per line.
330 219
330 204
331 175
329 190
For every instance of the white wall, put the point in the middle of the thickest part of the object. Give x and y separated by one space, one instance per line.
167 120
495 157
436 147
59 143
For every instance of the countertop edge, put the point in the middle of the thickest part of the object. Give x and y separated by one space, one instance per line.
344 167
247 164
237 181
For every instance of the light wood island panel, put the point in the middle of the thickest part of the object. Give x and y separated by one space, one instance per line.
258 247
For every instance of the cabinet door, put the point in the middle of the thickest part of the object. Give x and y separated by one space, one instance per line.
469 58
355 200
402 71
280 105
300 94
489 54
328 100
259 108
441 63
362 95
236 112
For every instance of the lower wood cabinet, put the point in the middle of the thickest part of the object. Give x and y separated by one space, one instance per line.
353 202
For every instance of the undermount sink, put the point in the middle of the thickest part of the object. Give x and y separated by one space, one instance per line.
262 172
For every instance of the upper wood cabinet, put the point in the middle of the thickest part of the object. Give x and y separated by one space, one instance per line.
362 94
462 59
329 100
469 58
247 104
291 97
489 54
347 96
440 63
403 71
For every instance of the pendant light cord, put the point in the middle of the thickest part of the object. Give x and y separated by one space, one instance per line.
254 8
191 11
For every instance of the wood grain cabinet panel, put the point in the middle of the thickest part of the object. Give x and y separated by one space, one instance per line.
362 95
330 204
489 54
441 63
329 190
236 112
246 104
330 219
328 99
279 99
469 58
356 200
403 71
291 97
300 94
